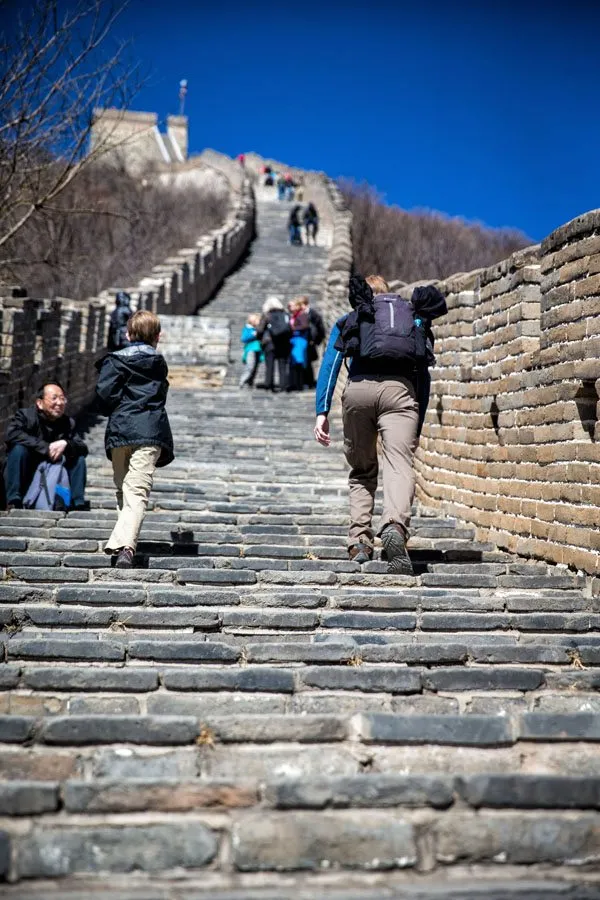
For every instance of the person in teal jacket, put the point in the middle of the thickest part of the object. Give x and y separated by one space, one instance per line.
252 355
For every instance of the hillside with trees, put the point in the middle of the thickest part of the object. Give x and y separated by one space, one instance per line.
420 244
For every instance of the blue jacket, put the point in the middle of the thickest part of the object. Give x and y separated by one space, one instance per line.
329 371
251 342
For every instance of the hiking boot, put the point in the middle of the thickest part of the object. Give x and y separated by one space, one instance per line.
14 504
360 553
125 558
394 546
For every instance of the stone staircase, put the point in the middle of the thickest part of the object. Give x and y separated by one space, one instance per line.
247 714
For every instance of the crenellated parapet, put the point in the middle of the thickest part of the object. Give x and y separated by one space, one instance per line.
512 440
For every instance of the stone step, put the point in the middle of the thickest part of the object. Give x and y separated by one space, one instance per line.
488 885
247 713
381 729
371 791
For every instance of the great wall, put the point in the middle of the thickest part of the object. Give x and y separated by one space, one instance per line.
247 714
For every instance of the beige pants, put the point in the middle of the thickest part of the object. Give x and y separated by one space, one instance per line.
133 473
388 408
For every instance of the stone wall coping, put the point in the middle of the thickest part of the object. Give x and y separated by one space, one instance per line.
579 227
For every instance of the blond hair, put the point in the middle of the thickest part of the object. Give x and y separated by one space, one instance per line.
254 319
270 304
378 284
143 326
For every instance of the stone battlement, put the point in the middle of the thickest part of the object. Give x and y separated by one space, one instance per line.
135 140
512 440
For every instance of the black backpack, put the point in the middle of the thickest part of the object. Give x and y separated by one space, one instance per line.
279 326
383 328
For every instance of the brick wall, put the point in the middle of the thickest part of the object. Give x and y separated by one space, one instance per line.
511 441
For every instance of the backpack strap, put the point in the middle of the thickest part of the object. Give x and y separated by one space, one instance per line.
44 484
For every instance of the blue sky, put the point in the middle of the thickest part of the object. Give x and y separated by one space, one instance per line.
489 111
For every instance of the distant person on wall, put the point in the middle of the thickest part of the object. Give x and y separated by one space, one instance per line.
44 433
383 340
242 160
299 189
275 334
299 342
281 187
290 187
311 223
294 226
316 338
252 355
268 173
117 330
132 391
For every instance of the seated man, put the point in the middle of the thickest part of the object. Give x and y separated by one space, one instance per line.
43 433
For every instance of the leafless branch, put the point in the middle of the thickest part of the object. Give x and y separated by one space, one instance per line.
54 71
420 244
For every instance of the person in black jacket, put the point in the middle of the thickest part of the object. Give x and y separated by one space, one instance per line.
132 390
117 332
274 333
43 433
311 223
317 336
294 226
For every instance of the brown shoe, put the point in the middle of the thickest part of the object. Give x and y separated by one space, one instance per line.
394 546
125 558
360 553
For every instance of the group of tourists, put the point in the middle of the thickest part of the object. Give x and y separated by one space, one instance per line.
286 186
388 342
286 339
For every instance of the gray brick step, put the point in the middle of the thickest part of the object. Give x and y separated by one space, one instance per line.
189 888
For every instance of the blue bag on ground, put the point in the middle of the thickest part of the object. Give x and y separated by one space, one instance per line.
50 488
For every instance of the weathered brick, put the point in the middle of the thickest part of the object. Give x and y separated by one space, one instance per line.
185 650
108 795
119 729
16 729
518 839
531 791
476 731
361 791
213 679
309 841
56 648
336 678
548 727
28 798
114 848
480 678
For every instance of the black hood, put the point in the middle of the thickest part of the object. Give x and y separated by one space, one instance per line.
139 358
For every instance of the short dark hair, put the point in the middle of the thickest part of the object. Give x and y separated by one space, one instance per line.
42 390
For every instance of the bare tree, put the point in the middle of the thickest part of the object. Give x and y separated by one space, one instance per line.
108 228
56 66
420 244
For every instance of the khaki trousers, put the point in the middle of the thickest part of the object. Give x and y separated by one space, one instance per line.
133 473
387 408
